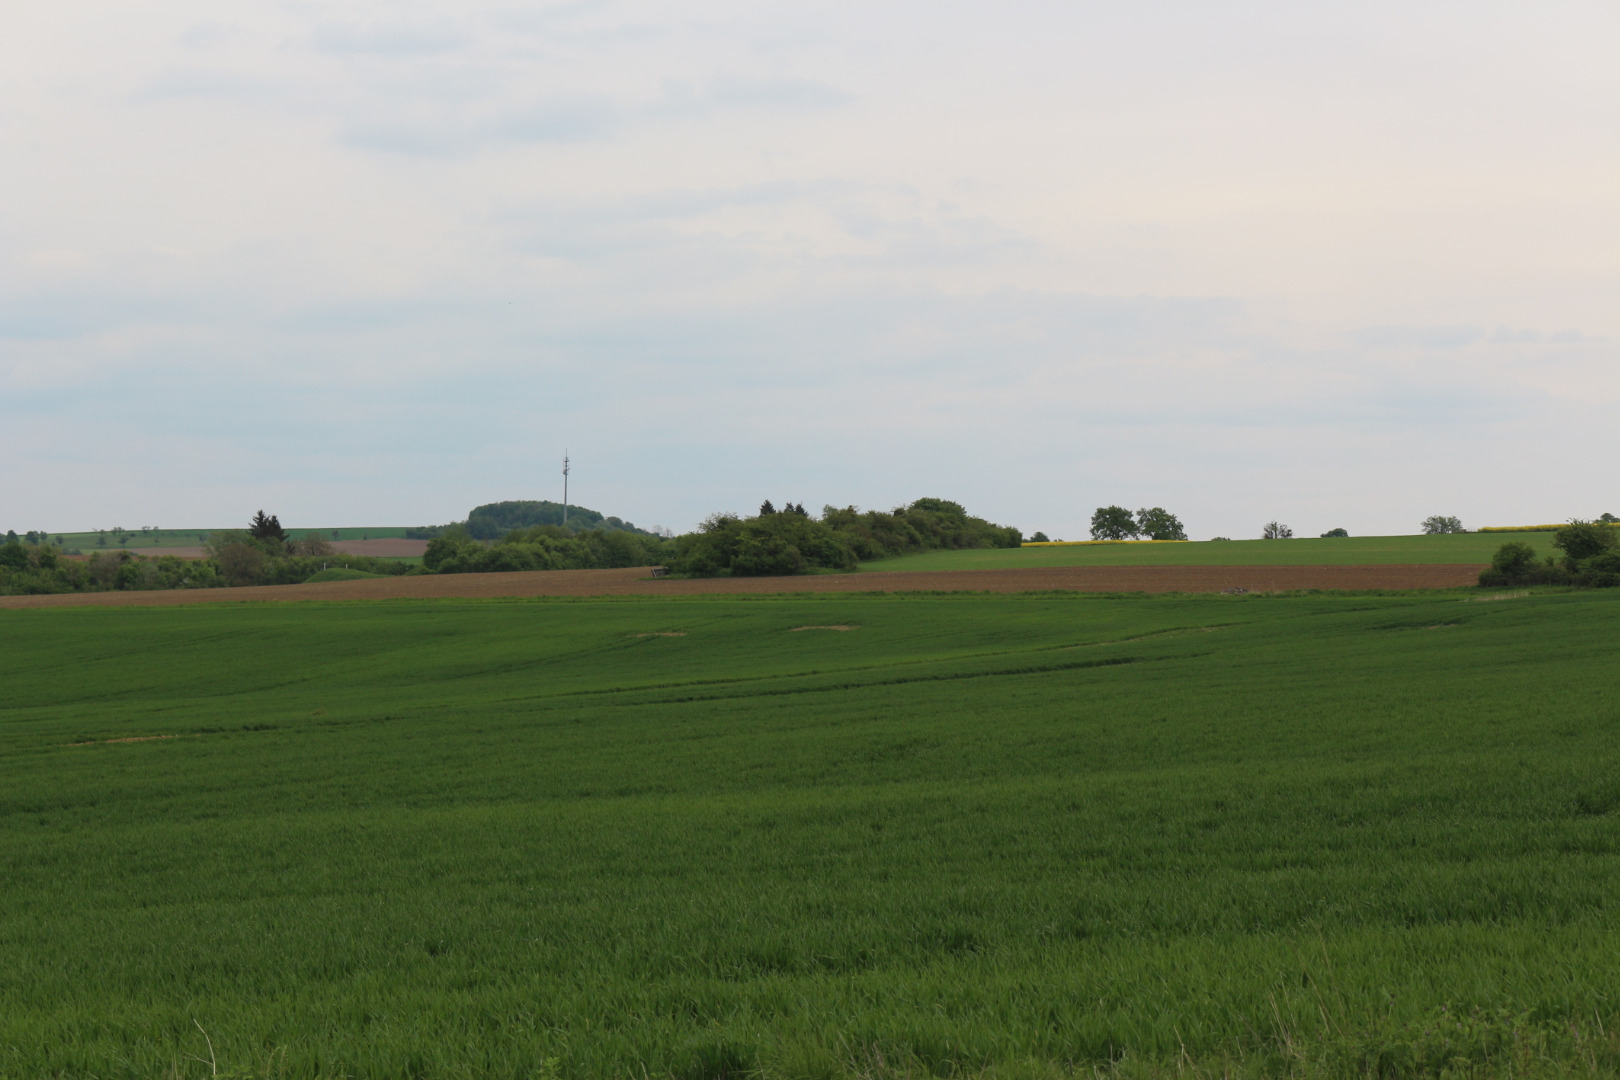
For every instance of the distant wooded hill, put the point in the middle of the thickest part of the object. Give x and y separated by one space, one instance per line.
494 520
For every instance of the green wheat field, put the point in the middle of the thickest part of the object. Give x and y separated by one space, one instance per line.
1338 551
966 836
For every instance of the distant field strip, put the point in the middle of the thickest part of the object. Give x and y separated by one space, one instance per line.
640 582
1458 548
982 836
156 539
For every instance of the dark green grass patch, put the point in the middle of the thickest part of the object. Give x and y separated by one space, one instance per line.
1012 836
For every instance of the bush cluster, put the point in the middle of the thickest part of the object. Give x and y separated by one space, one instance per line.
43 569
1591 559
274 558
543 547
236 557
791 541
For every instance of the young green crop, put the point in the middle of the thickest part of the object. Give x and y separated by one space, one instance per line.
1018 836
1302 551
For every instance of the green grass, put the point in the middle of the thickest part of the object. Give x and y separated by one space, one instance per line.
338 573
1012 836
1456 548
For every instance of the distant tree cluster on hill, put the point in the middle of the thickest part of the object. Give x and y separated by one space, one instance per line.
790 541
1117 523
494 520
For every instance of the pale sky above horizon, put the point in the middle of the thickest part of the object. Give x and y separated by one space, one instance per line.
366 263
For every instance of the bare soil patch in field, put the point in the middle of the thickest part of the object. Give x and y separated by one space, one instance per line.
177 552
639 582
387 547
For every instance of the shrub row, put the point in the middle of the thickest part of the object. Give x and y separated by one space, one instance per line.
792 541
1591 559
233 559
544 547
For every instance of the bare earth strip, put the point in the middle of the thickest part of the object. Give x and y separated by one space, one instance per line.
389 547
638 582
194 552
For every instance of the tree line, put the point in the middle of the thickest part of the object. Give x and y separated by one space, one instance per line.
262 554
492 521
792 541
786 541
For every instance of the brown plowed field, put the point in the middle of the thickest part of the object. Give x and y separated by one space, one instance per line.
1152 579
388 547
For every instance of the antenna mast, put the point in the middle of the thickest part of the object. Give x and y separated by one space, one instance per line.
565 486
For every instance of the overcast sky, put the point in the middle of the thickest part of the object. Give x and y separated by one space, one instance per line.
1342 265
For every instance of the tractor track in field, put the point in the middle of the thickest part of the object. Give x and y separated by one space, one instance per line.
639 582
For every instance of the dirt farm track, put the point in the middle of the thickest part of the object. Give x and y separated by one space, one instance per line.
639 582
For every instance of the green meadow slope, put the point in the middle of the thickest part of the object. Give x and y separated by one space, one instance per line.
1340 551
970 835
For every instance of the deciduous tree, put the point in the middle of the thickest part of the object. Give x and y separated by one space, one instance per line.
1583 539
1112 523
1159 524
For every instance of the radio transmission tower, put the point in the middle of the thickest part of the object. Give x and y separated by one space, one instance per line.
565 486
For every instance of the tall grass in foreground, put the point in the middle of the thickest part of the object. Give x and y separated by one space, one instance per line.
971 836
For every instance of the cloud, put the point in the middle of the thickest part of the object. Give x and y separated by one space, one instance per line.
206 82
452 132
1421 337
387 39
1503 335
732 93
